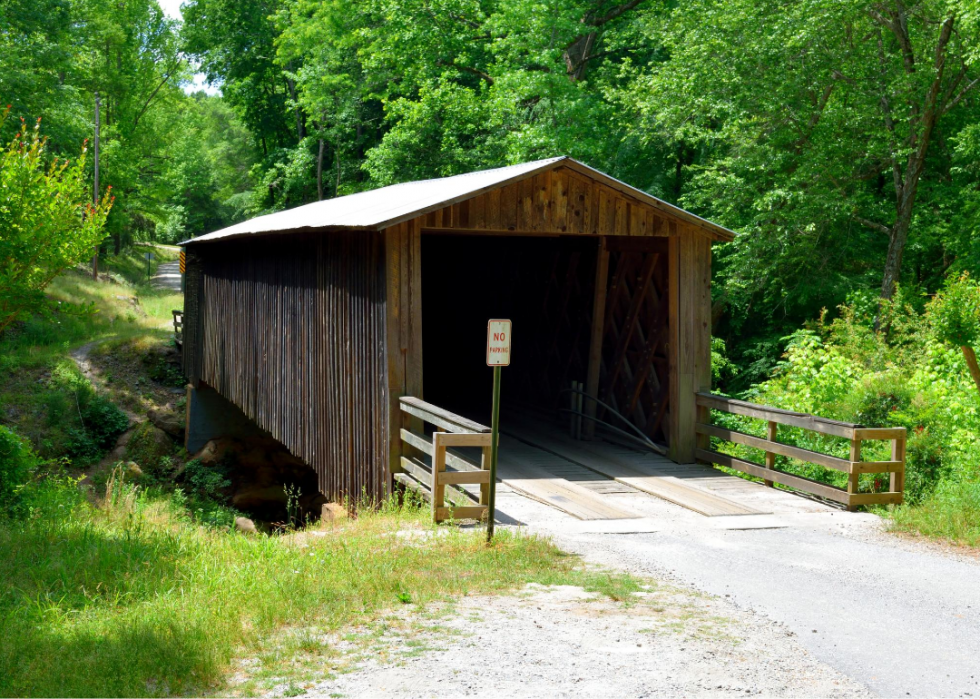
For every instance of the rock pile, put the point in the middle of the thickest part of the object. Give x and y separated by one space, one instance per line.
261 470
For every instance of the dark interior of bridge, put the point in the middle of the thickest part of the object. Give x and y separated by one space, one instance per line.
543 284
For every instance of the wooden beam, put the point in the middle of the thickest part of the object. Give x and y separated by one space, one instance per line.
787 479
458 462
771 446
689 346
853 479
464 477
394 353
598 332
471 512
783 417
439 416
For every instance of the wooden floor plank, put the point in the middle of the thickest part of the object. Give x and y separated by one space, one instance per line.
655 475
520 467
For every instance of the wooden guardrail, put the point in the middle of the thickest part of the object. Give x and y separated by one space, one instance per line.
178 327
434 480
854 466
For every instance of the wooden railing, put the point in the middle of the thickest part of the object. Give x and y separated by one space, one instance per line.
434 480
854 466
178 327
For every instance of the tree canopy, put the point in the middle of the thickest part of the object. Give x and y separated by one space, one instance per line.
839 138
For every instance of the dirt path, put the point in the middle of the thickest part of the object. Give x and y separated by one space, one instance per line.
80 355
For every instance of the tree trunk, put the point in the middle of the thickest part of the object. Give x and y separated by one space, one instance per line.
95 184
300 125
893 259
931 110
971 362
319 172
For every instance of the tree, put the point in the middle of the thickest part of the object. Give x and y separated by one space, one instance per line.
46 221
822 131
955 318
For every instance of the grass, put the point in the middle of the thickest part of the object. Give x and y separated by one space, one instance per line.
952 513
136 599
39 382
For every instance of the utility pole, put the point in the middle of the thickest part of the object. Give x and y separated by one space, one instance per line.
95 188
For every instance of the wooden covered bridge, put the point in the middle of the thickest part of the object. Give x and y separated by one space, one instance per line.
339 327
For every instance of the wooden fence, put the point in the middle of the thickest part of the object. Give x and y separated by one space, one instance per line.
434 480
854 466
178 325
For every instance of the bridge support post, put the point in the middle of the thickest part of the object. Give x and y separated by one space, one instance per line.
210 415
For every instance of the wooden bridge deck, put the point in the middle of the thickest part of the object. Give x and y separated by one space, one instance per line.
583 478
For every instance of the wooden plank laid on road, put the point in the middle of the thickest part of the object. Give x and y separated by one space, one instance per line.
595 457
517 469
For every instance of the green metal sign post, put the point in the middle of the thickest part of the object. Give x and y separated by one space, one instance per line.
494 439
498 355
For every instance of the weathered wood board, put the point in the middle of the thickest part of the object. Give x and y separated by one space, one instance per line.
518 469
661 483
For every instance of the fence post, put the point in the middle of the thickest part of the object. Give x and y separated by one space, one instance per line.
771 434
438 467
485 465
897 480
853 477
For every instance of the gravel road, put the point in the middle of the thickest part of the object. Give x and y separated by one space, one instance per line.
167 276
809 604
901 617
563 642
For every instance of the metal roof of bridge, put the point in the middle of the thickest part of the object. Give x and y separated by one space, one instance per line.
377 209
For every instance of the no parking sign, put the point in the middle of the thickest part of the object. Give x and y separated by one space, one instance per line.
498 343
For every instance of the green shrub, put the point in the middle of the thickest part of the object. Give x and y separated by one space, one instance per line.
17 461
207 481
952 512
47 222
104 421
101 423
905 377
153 456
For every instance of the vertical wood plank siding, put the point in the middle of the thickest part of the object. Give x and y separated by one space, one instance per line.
291 329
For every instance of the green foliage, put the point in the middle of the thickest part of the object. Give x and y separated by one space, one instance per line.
46 222
151 452
907 378
208 481
951 513
955 312
90 421
17 462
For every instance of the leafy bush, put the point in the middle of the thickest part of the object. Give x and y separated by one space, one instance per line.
46 222
101 423
954 314
150 451
906 377
207 481
17 461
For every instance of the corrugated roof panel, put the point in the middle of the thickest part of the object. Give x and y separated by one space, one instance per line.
379 208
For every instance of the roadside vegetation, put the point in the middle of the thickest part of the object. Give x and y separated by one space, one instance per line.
132 597
43 394
913 372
